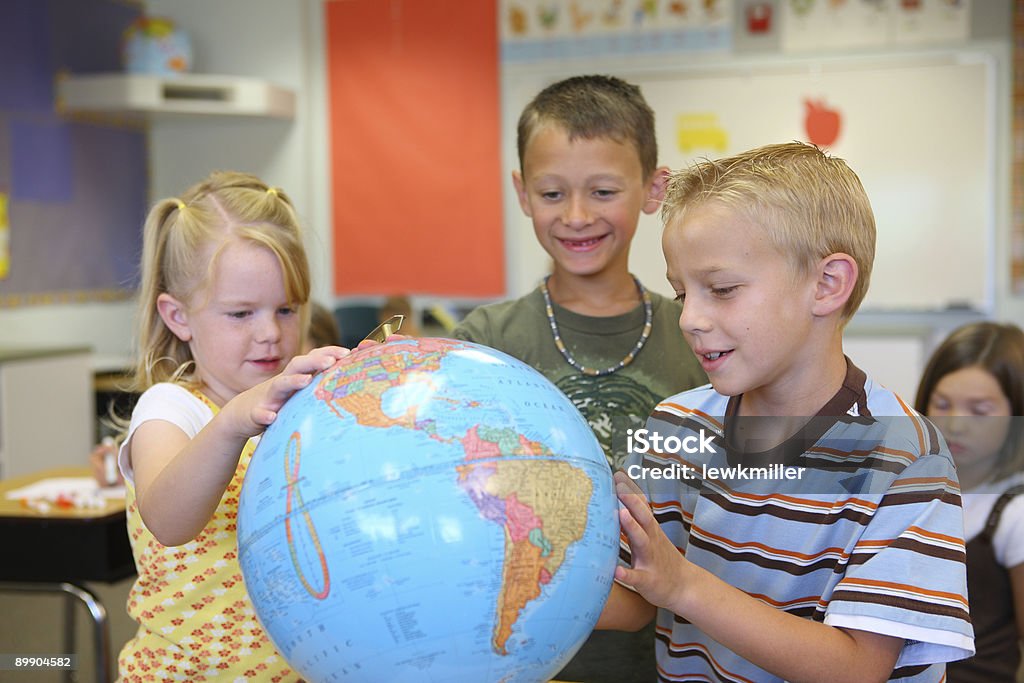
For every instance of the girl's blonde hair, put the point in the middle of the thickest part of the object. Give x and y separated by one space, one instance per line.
998 349
182 239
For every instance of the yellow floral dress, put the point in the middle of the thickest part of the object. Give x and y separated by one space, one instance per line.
196 622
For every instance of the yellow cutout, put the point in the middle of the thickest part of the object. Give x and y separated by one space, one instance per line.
5 238
700 131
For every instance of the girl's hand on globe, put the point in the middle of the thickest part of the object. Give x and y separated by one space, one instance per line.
258 406
658 570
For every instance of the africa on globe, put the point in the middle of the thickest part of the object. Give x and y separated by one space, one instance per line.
428 510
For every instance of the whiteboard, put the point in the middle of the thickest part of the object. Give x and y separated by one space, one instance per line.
895 360
919 131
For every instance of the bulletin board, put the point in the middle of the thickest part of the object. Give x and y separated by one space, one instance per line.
919 131
415 170
73 190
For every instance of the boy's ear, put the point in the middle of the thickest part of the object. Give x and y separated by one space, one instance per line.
517 181
836 275
659 181
174 315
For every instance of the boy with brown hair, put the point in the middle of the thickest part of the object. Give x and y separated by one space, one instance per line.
587 170
820 535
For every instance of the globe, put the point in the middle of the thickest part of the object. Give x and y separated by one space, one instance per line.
428 510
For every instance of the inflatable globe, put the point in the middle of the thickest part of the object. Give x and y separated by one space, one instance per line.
428 510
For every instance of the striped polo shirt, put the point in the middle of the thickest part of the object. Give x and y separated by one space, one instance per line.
854 521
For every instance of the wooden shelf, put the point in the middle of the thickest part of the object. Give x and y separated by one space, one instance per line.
185 94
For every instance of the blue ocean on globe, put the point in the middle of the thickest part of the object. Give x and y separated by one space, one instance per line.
428 510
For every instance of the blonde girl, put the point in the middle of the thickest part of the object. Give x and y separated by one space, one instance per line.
221 316
972 388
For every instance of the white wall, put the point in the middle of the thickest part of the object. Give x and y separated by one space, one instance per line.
284 42
106 327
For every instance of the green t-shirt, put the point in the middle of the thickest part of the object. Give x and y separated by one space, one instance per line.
612 403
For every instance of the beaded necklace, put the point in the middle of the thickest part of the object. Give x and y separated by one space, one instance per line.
644 334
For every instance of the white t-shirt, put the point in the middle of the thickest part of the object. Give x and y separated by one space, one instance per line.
1008 541
168 402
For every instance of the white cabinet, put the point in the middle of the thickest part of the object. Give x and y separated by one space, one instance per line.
193 94
47 409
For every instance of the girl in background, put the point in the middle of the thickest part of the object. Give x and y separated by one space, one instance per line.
222 316
323 327
972 385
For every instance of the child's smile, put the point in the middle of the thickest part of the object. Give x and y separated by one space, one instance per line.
712 361
582 245
584 197
270 365
746 311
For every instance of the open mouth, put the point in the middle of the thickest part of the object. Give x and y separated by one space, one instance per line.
582 245
710 360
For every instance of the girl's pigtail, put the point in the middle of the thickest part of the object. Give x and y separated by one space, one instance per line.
152 337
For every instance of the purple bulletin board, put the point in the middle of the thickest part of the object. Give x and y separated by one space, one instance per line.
73 191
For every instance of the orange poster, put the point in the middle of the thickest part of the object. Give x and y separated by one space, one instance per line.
415 147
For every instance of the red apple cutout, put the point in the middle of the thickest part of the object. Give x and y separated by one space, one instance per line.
821 123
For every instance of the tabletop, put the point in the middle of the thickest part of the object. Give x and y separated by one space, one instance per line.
62 544
16 508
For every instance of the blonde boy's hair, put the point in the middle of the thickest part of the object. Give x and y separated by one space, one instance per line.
182 239
809 204
591 107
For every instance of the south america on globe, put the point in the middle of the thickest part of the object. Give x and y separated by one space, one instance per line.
428 510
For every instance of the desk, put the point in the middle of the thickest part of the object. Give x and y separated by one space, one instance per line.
58 550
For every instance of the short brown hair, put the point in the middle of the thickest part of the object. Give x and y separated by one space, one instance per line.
594 107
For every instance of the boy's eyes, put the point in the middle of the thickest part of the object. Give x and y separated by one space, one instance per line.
720 292
555 195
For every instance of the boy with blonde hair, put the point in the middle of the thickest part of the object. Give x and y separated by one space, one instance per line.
818 536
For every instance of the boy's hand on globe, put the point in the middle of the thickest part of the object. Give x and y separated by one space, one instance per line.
658 568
